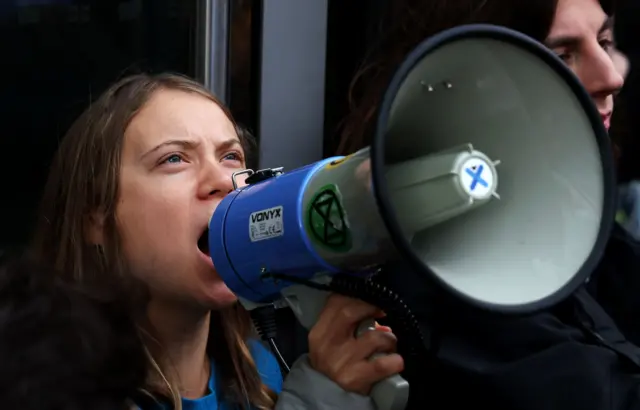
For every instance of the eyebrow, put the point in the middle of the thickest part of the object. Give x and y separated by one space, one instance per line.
185 144
228 144
570 41
191 145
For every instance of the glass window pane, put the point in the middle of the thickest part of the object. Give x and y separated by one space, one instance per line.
62 53
244 55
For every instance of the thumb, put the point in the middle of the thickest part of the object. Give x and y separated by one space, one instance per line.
383 328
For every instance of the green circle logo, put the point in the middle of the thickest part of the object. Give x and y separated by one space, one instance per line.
327 220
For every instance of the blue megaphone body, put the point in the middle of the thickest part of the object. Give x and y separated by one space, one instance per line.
308 224
252 234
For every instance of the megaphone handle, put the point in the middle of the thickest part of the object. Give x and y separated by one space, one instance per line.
306 303
391 393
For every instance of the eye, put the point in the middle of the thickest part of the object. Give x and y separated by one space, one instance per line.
172 159
233 156
607 44
565 56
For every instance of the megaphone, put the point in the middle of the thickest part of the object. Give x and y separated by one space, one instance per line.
490 170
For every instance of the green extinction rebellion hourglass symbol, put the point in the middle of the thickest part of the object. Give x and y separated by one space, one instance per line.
327 221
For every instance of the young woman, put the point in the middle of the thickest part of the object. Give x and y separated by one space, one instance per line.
130 194
573 357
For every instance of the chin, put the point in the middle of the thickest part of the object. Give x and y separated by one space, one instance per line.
219 297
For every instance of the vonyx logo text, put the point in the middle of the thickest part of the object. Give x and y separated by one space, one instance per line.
266 215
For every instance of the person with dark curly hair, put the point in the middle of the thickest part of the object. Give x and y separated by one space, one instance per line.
63 348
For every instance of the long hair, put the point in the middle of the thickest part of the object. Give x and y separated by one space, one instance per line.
62 347
84 178
405 24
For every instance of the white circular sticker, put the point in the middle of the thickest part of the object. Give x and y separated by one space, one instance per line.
476 177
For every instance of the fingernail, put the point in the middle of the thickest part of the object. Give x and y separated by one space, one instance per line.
382 328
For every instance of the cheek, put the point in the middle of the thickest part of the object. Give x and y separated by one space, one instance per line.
151 223
620 62
150 220
241 180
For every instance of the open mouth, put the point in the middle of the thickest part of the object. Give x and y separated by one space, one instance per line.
203 242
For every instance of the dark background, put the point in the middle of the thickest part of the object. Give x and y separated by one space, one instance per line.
57 55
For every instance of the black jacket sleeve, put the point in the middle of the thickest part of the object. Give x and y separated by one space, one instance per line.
542 362
573 357
616 284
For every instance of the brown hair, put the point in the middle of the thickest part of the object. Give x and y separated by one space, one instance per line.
405 25
84 178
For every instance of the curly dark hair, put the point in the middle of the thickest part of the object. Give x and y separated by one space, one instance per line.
63 348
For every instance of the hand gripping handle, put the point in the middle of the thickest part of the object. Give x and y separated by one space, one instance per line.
391 393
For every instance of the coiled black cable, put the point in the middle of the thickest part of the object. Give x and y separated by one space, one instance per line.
411 340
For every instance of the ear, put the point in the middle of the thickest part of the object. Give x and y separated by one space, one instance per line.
94 228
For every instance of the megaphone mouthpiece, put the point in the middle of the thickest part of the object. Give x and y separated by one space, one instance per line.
433 188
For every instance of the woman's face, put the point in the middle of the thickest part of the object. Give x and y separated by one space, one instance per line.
178 157
582 35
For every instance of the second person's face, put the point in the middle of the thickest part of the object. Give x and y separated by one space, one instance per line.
582 35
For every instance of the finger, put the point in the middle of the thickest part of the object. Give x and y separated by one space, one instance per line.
332 307
323 334
372 342
362 376
336 303
382 328
352 314
380 315
340 316
351 351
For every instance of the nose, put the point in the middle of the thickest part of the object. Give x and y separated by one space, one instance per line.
601 77
215 181
621 62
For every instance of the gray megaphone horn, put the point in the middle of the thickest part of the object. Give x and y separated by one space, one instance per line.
490 171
